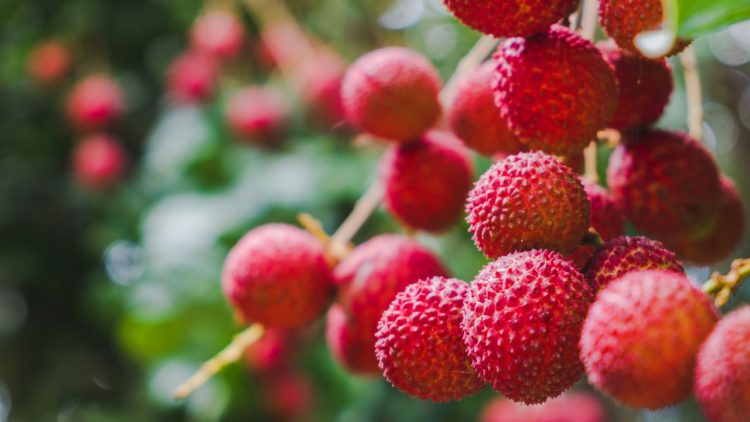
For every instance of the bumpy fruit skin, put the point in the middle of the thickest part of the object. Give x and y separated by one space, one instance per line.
528 200
219 34
522 322
192 77
426 181
722 373
392 93
569 407
99 162
419 345
641 337
605 217
277 275
369 279
666 183
49 62
94 102
718 242
257 114
475 118
510 18
350 343
624 19
626 254
555 90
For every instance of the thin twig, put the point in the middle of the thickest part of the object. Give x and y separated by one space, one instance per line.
588 19
721 287
362 210
471 60
693 92
590 171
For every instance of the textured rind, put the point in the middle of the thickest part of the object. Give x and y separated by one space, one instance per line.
392 93
722 373
368 280
256 114
555 90
99 162
569 407
622 20
219 34
644 88
510 18
666 183
626 254
641 337
349 343
475 119
94 102
522 322
192 77
277 275
605 217
526 201
719 241
426 181
419 345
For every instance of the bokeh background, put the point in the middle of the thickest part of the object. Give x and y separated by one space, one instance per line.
110 299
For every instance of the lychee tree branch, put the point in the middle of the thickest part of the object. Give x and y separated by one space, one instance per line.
693 92
588 27
721 287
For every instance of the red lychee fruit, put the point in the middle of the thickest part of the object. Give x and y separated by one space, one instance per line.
99 162
605 217
290 396
218 33
271 352
514 18
94 102
645 87
419 345
528 200
722 373
277 275
369 279
718 242
555 90
350 343
426 181
622 20
257 114
49 62
626 254
319 78
192 77
641 337
666 183
392 93
569 407
475 118
522 321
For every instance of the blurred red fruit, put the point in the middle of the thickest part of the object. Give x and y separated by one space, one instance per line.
350 343
319 78
218 33
271 352
291 396
569 407
94 102
605 217
99 162
257 114
49 62
192 77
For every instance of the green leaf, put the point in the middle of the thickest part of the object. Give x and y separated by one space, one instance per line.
695 18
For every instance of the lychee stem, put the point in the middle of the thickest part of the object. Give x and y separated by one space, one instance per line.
721 287
588 27
469 62
693 92
363 208
230 354
589 163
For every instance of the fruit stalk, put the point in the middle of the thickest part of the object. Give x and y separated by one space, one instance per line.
721 287
231 353
693 92
588 27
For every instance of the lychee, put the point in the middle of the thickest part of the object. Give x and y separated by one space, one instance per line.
369 279
722 373
666 183
49 62
555 90
419 345
350 342
290 396
392 93
99 162
94 102
218 33
277 275
271 352
569 407
605 217
510 18
319 78
641 337
720 240
475 118
528 200
645 87
256 114
622 20
192 77
522 321
426 181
